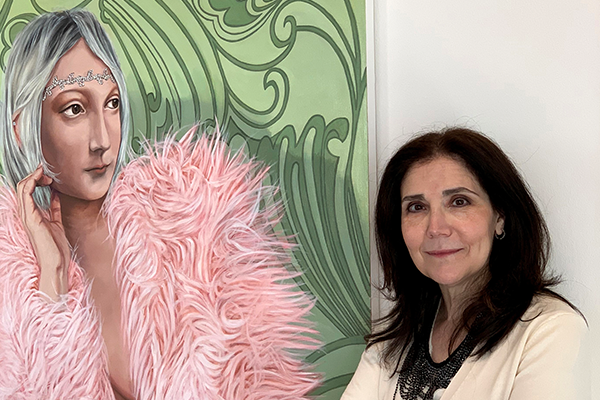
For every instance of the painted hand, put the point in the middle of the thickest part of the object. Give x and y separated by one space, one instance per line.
46 233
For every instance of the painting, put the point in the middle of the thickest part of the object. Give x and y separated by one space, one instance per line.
284 82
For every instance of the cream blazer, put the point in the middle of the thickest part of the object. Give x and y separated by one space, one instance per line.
538 360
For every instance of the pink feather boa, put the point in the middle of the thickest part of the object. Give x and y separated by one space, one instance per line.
209 309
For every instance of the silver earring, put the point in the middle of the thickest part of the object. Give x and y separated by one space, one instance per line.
500 236
14 123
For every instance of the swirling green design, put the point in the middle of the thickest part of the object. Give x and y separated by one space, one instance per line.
308 175
286 81
40 9
235 13
234 20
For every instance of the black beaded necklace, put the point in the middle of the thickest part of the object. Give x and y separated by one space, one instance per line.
420 376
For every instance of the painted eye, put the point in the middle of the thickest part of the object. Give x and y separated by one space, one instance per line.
113 104
73 110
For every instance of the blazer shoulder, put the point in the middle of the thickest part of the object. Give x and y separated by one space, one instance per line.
548 307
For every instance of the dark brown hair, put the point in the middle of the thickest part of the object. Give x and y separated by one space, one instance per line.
517 264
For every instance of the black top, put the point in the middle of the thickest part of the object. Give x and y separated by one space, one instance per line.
420 376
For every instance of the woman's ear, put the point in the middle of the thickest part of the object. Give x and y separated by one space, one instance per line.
499 225
16 127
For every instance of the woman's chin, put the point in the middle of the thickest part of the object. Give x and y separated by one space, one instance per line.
88 194
457 281
447 281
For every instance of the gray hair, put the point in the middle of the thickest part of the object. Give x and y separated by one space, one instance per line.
35 52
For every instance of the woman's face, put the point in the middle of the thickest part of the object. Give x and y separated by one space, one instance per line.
448 222
81 127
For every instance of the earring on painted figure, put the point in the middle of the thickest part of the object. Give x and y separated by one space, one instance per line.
15 128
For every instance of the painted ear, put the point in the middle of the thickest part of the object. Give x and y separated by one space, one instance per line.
16 126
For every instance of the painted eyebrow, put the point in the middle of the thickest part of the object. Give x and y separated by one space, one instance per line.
445 193
64 93
63 99
80 91
113 93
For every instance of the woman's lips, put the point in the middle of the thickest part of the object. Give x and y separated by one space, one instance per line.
99 169
442 253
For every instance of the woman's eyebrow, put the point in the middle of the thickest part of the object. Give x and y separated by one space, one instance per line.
69 91
450 192
413 197
113 92
445 193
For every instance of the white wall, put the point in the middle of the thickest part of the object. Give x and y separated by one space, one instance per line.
527 73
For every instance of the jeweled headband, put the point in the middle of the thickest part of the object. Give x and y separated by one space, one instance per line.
80 80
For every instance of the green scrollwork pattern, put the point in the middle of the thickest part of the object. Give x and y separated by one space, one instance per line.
286 81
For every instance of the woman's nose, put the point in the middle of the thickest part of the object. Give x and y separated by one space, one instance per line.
438 223
99 135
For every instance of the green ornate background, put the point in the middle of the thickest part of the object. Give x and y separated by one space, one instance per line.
286 80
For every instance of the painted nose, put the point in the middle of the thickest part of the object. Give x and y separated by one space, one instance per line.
99 135
438 224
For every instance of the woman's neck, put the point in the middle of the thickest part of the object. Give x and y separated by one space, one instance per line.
455 299
81 218
451 307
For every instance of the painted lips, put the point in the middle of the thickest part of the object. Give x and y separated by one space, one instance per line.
100 169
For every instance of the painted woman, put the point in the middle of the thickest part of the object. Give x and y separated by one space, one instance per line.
157 279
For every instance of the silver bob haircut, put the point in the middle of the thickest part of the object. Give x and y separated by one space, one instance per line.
35 52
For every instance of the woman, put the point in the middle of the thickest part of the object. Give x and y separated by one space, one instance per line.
464 248
166 286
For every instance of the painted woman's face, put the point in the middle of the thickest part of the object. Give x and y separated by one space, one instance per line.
81 127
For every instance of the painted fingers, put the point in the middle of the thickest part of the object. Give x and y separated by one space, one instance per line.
46 234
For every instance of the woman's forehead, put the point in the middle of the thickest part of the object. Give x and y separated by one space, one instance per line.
79 59
77 68
439 173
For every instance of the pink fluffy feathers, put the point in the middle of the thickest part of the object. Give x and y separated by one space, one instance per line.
48 350
209 309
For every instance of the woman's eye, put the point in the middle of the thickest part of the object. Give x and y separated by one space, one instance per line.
113 103
73 110
415 207
460 202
